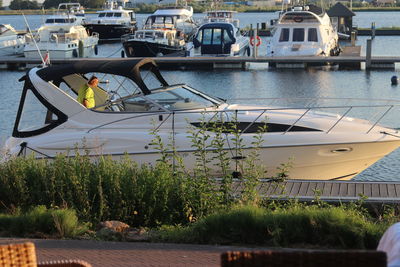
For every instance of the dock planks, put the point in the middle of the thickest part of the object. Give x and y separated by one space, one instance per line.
331 191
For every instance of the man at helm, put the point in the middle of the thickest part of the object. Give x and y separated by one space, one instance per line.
86 94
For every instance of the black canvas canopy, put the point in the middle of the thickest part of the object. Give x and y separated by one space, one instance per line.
129 68
340 10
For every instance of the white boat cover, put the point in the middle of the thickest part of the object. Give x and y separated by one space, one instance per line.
390 243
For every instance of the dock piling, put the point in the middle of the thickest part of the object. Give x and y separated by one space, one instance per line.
368 54
353 38
373 28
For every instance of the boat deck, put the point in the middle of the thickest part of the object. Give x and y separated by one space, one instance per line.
330 191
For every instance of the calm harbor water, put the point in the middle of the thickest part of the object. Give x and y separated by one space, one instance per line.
259 81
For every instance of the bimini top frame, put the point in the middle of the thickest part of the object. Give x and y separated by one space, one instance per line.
123 67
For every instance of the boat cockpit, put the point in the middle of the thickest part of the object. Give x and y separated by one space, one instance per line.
216 38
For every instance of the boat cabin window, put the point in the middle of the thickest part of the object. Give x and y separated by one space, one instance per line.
101 15
251 127
284 37
298 35
35 115
61 20
217 36
312 35
161 20
108 15
118 15
214 36
207 35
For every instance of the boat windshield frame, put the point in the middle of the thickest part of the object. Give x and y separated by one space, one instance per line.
214 102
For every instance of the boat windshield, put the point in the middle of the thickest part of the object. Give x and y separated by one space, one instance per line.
177 97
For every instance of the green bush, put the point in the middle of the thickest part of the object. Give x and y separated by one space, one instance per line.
106 189
290 226
42 221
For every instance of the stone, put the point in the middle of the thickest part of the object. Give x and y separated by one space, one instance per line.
115 226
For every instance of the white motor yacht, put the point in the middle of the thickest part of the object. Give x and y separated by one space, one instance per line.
112 22
62 36
220 16
303 31
164 33
319 145
11 43
219 39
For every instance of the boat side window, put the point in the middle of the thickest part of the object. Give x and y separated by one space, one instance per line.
312 35
284 37
102 15
159 20
227 38
35 115
168 20
109 14
118 15
298 35
207 35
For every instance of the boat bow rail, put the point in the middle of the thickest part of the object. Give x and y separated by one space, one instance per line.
249 119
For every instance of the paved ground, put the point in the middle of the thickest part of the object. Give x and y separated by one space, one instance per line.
126 253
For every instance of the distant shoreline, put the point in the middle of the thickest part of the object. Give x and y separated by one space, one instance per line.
240 9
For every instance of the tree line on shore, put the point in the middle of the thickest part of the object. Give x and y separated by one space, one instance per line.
198 7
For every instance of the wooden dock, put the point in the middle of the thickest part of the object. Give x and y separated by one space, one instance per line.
345 61
330 191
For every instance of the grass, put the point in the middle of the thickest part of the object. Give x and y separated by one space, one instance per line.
296 225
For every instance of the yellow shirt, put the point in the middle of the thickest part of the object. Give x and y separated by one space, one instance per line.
85 92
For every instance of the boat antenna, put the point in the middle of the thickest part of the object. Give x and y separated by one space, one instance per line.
34 41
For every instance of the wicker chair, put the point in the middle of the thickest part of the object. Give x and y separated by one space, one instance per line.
306 258
24 255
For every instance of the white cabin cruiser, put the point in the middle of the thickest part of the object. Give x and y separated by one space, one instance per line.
165 32
11 43
303 31
112 22
50 120
221 16
62 36
219 39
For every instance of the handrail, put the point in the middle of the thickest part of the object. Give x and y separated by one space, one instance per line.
294 123
383 115
261 110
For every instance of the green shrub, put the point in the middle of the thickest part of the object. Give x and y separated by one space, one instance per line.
290 226
42 221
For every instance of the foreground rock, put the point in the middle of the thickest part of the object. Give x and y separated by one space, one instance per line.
119 231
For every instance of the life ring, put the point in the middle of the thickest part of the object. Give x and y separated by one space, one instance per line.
297 19
255 43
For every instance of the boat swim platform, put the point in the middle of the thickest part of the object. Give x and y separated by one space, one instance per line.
329 191
194 63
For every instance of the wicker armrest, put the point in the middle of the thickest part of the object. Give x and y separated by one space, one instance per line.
64 263
22 254
309 258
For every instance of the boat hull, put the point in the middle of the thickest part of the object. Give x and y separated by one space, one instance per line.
135 48
340 161
110 31
62 51
12 46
